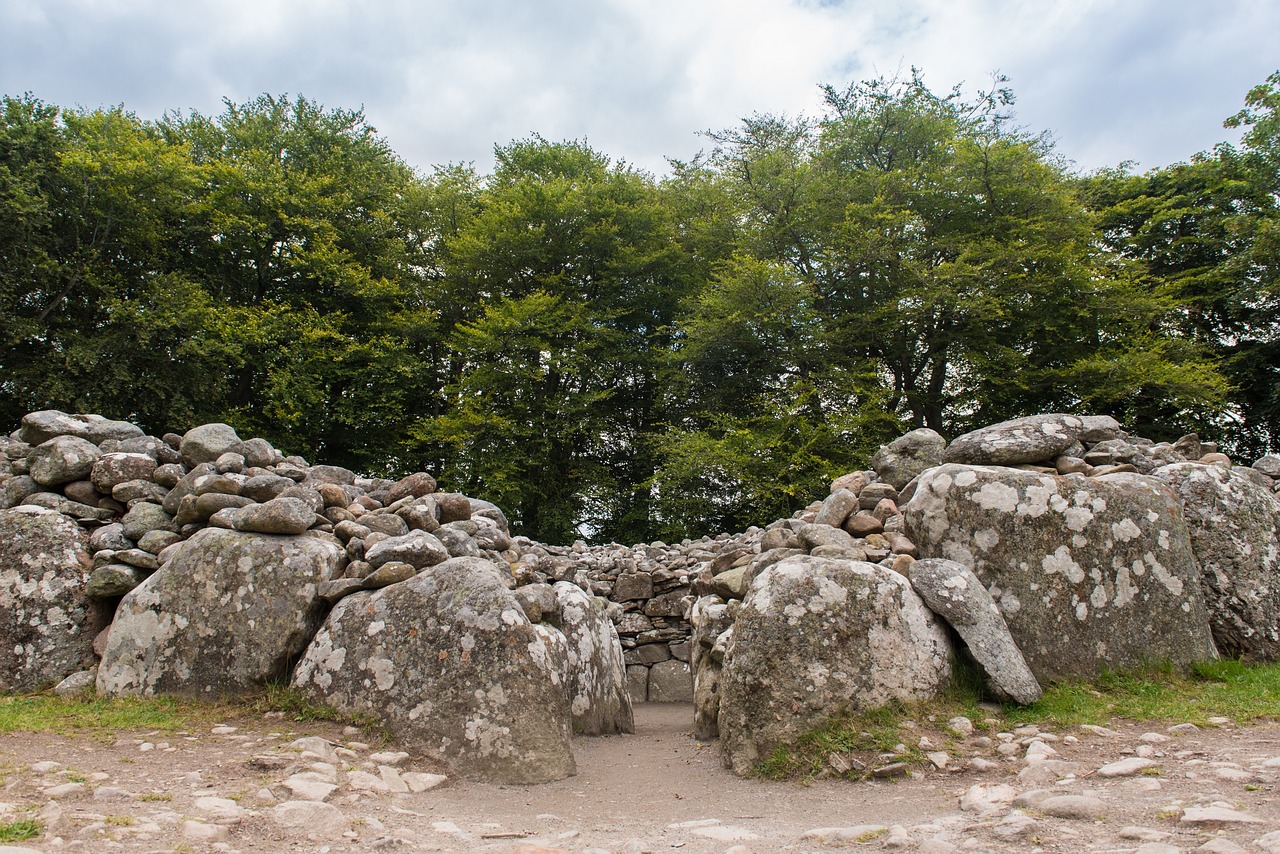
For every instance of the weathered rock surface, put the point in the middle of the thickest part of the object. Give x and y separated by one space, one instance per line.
816 637
1089 573
225 616
1233 523
597 675
907 456
1023 440
953 592
46 622
449 661
63 459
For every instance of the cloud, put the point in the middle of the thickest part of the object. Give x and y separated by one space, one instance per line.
446 80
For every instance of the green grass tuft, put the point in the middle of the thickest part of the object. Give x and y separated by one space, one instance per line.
20 830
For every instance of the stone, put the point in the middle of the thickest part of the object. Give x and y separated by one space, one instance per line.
633 586
1089 574
814 535
638 683
206 443
1268 464
836 508
414 486
1083 807
143 518
670 682
314 819
77 683
391 572
114 579
451 665
1215 815
416 548
228 614
954 593
47 622
595 680
62 459
111 470
1233 523
907 456
288 516
816 636
1223 846
39 427
1032 439
1127 767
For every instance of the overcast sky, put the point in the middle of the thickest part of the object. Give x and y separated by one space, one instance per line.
444 80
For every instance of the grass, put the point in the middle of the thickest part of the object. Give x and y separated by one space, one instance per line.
1240 691
20 830
102 717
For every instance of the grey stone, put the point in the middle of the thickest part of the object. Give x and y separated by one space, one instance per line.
907 456
226 615
62 459
416 548
814 535
414 486
1073 807
47 624
670 682
1022 440
114 579
1233 524
110 537
257 453
277 516
449 662
114 469
816 636
1269 465
595 680
836 508
953 592
206 443
638 683
39 427
145 517
1089 574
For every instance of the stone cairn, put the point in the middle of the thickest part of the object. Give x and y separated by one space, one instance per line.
134 562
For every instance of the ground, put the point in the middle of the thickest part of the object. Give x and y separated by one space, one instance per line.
657 790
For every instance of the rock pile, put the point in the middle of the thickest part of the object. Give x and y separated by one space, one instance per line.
215 565
1046 547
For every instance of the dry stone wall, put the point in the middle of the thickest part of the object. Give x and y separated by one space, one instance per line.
1054 546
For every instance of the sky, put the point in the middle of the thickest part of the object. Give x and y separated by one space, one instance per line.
443 81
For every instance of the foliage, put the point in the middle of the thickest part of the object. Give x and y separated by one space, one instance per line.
20 830
614 356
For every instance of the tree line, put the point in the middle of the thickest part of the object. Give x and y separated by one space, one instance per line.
607 352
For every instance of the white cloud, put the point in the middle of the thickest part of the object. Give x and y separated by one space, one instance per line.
445 80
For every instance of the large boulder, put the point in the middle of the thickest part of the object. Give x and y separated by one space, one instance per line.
1033 439
906 456
226 615
1233 523
450 663
953 592
596 680
46 622
817 638
1090 574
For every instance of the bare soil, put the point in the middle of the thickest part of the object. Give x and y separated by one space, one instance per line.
657 790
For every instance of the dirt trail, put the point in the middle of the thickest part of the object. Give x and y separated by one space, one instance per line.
656 791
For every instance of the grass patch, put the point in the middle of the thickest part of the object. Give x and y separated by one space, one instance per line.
20 830
1241 691
296 706
73 715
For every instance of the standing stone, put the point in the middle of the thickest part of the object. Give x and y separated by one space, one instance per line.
46 622
597 675
451 665
226 615
907 456
815 638
1233 523
954 593
63 459
1090 574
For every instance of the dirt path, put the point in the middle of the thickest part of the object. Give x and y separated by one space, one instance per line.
655 791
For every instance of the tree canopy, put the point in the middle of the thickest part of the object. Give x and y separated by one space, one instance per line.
613 355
